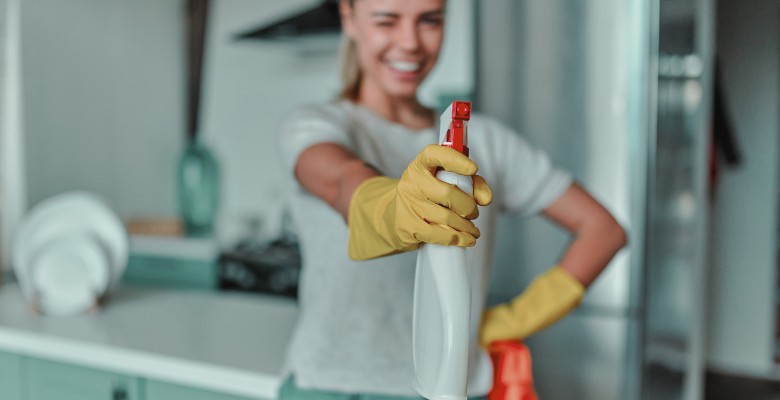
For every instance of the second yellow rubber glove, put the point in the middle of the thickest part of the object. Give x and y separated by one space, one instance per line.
547 299
388 216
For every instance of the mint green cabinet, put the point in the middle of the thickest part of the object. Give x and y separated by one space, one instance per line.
11 377
156 390
145 270
28 378
49 380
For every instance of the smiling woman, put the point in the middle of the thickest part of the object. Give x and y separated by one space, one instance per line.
398 46
366 199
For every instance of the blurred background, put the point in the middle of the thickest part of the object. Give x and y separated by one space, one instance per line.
169 111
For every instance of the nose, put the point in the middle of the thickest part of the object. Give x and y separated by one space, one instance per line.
408 37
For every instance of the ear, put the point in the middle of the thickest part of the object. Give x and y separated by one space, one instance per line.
347 24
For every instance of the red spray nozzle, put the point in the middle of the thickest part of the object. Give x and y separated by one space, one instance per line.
457 136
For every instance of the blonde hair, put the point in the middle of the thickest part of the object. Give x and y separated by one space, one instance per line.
351 75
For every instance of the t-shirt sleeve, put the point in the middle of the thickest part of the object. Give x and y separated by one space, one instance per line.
311 125
529 181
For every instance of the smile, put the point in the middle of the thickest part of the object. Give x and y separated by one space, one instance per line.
405 66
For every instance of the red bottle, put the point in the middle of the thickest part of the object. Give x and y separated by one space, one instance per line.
512 373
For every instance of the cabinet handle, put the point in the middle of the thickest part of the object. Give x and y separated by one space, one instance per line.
119 393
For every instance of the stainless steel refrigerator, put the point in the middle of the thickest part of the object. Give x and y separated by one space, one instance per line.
618 93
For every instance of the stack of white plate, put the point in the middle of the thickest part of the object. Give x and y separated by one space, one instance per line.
68 252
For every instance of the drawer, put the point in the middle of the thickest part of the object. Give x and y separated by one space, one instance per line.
146 270
49 380
11 376
156 390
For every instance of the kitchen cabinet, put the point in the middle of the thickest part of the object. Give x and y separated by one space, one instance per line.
49 380
199 340
168 262
25 378
10 377
156 390
167 272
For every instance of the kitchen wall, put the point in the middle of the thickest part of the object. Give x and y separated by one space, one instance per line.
103 86
3 239
744 215
248 88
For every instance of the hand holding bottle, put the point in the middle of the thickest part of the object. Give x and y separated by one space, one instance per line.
388 216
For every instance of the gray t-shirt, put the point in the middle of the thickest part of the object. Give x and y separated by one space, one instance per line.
354 332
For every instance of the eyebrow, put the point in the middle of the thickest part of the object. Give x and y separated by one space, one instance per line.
388 14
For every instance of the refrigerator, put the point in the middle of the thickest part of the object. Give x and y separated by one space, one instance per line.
617 92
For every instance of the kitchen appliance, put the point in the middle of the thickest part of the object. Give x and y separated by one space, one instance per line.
617 92
271 268
322 19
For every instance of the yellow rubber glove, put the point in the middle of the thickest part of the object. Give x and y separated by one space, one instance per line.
547 299
389 216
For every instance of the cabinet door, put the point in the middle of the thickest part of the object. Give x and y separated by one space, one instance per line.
145 270
10 377
49 380
165 391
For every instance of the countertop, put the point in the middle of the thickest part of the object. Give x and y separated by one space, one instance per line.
223 341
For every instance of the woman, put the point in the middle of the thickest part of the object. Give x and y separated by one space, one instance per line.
366 197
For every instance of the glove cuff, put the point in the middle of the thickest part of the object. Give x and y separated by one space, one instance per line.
369 209
549 298
565 283
546 300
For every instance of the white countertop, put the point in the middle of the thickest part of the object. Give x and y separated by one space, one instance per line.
223 341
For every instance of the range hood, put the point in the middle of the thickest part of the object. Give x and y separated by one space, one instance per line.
309 24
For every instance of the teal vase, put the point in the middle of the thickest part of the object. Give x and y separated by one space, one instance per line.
198 188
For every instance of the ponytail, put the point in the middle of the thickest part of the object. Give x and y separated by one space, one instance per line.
350 66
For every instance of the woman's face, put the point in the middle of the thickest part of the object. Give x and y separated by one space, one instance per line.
397 41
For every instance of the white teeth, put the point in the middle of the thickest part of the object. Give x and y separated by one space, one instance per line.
404 66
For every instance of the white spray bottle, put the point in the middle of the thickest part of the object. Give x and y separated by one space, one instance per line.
442 291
